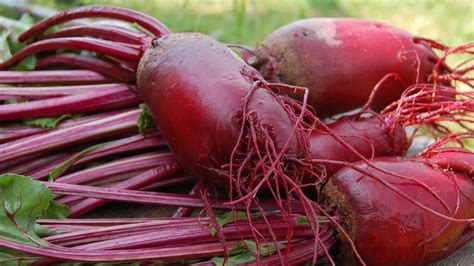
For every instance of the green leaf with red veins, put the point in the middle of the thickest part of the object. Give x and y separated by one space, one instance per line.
22 201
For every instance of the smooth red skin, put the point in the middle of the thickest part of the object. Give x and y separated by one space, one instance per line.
195 91
342 67
387 228
455 158
370 136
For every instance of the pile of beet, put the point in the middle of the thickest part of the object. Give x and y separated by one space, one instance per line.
254 150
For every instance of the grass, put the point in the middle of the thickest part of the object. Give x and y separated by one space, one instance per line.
249 21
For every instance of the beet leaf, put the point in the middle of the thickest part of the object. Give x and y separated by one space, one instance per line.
22 202
144 121
243 252
49 122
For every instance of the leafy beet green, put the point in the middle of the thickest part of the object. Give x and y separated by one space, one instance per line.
229 217
62 167
22 202
243 252
49 122
144 121
9 43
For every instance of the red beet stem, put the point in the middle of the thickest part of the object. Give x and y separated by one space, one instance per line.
145 21
154 198
23 168
52 77
171 235
86 62
158 198
32 93
114 49
117 34
184 211
73 104
137 162
69 254
10 133
66 226
121 230
98 230
94 222
170 182
163 170
118 124
128 144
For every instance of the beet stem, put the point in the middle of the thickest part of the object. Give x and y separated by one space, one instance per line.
154 198
128 144
117 34
52 77
184 211
136 182
98 65
69 254
32 93
118 124
73 104
109 48
146 21
128 164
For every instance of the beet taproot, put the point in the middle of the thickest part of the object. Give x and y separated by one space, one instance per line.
214 110
369 136
390 229
341 61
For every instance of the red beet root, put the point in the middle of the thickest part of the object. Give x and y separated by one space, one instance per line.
341 61
389 229
370 136
207 104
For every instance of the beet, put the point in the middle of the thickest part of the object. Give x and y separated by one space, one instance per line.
204 99
369 136
341 61
389 229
